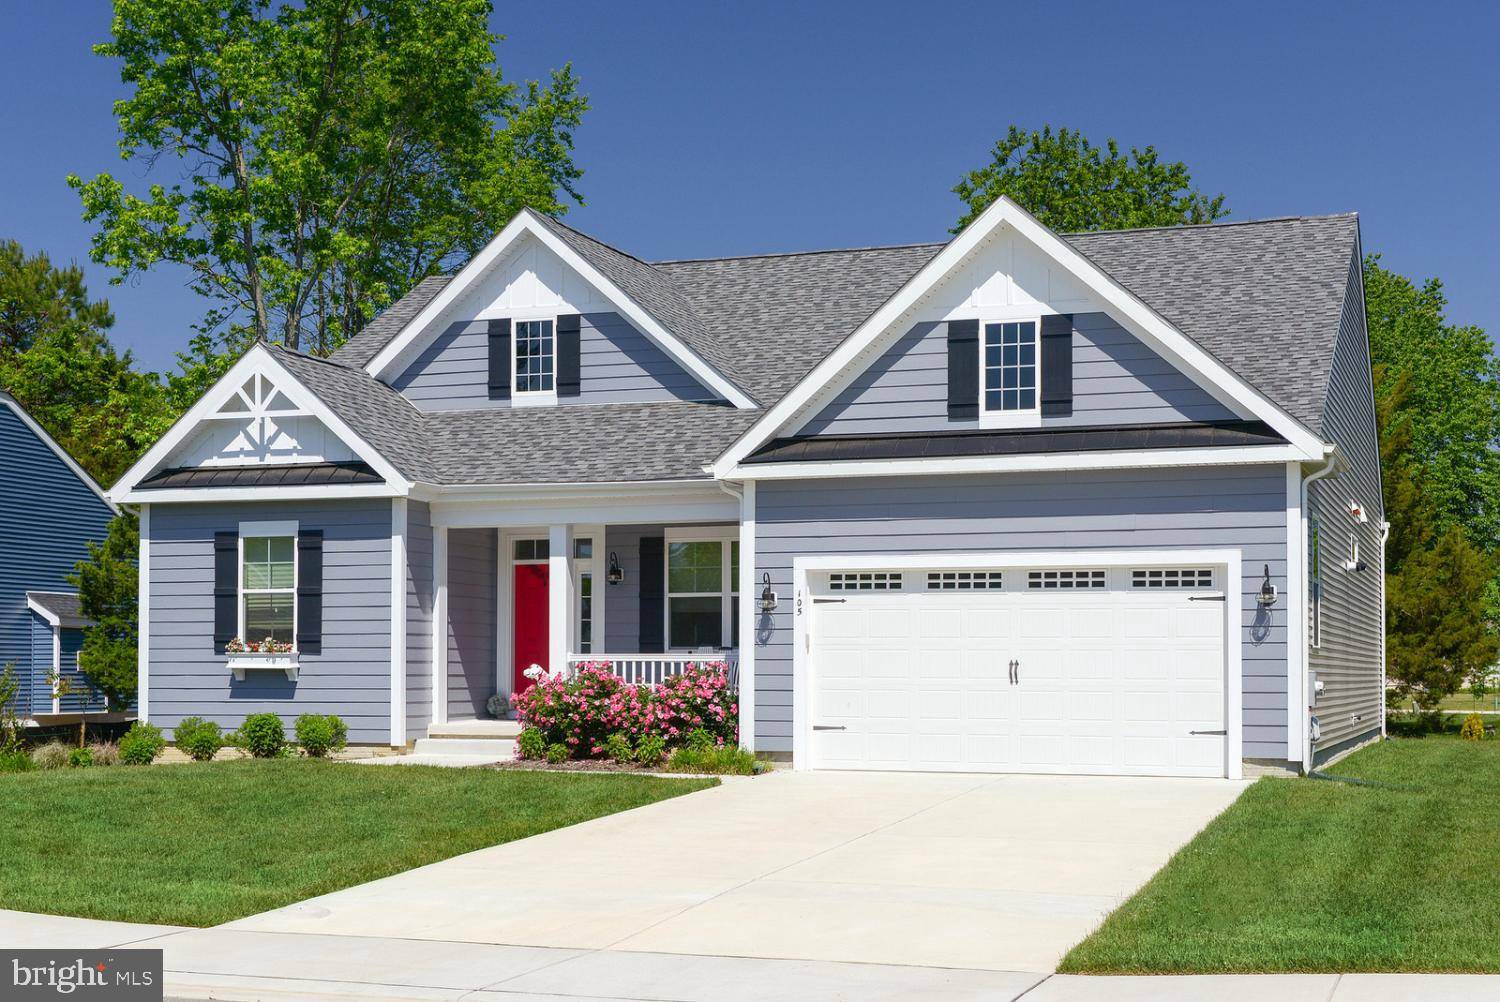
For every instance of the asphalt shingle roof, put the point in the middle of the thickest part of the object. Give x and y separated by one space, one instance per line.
65 605
1263 297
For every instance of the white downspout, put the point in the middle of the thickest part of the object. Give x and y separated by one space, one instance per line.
1385 535
1331 461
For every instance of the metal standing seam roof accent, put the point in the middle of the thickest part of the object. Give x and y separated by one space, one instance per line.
278 475
1263 297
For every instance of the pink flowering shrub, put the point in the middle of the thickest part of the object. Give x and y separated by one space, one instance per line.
582 712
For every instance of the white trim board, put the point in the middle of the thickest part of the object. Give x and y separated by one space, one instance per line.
259 360
51 443
526 223
845 362
1229 559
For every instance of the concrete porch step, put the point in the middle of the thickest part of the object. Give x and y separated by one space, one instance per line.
495 749
485 730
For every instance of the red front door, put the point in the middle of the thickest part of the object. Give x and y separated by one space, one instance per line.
530 618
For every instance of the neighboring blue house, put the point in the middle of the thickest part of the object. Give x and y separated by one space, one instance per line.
49 512
1015 502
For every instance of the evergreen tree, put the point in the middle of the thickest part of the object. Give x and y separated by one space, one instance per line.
107 583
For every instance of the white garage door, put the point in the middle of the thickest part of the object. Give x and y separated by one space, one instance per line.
1056 670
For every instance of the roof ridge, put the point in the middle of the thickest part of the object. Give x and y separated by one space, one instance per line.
1189 227
803 253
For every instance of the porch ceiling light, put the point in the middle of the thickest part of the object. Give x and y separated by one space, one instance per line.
614 575
1267 593
767 596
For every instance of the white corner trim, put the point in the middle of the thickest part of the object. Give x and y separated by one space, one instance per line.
749 616
526 223
143 624
259 360
1143 321
51 443
398 623
438 712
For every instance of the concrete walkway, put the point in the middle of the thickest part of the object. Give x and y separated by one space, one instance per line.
1000 873
225 963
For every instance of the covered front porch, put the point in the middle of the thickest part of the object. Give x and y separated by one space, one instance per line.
646 585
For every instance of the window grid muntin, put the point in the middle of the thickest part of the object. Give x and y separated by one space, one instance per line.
534 357
274 591
865 581
1065 579
1172 577
1008 360
726 593
965 580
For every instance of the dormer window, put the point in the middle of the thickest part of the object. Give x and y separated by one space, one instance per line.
1010 374
534 362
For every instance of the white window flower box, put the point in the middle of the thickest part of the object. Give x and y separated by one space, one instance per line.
242 661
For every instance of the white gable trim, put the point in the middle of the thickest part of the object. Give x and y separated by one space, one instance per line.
257 361
840 366
526 223
51 443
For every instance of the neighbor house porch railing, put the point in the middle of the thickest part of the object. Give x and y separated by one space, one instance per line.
652 669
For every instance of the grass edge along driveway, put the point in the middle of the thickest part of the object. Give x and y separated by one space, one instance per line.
200 844
1316 876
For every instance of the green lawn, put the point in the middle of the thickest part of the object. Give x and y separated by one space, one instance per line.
201 844
1304 875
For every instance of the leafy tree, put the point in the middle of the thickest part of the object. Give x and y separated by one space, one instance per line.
1072 185
330 153
107 588
56 359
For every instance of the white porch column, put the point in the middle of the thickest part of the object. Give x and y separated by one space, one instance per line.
398 622
749 616
440 624
559 597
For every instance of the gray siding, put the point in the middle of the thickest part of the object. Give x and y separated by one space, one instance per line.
1348 657
622 604
419 594
352 675
471 621
617 364
1116 380
1242 507
47 517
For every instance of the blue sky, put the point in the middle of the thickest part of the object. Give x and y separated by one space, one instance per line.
723 128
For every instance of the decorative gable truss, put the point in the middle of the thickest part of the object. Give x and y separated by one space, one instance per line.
258 415
1008 266
528 271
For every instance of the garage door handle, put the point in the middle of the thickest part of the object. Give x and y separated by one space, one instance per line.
1209 732
829 727
825 601
1205 598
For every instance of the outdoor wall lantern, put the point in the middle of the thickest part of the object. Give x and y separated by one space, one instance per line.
614 575
767 596
1267 593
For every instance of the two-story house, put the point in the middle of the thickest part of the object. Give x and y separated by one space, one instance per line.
1019 501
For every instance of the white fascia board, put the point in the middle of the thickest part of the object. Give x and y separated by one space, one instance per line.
51 443
175 495
1033 462
1139 318
257 361
526 223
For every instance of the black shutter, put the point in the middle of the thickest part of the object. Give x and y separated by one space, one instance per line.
310 591
499 359
1057 365
568 335
226 588
653 594
963 369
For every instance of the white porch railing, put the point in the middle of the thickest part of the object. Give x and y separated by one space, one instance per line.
652 669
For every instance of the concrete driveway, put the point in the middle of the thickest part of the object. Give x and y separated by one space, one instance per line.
1001 873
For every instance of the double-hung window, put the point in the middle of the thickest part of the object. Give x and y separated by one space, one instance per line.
1009 373
268 586
534 361
702 606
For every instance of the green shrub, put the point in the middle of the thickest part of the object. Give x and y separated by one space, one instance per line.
198 738
532 744
262 735
700 740
729 760
141 744
557 753
80 758
617 748
1473 728
650 749
104 753
52 755
319 734
16 760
